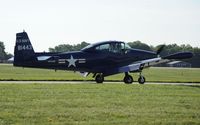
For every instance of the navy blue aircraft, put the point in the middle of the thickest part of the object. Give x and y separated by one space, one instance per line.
101 59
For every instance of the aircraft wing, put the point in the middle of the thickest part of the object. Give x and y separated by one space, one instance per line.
139 65
136 66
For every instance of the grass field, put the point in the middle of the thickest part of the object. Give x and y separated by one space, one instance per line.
107 104
153 74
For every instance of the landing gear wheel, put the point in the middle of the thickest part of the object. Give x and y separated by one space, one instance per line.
99 78
128 79
141 79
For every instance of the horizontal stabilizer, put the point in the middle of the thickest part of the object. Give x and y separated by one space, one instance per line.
179 55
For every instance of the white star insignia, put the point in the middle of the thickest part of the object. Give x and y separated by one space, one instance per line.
72 61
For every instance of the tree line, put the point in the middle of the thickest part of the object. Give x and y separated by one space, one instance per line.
171 48
4 55
68 47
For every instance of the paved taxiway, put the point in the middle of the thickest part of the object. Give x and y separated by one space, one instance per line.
87 82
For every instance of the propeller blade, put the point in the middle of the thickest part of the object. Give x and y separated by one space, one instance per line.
160 49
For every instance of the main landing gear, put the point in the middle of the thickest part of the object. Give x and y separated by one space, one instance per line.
128 79
99 78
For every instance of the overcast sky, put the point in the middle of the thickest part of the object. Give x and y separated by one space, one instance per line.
52 22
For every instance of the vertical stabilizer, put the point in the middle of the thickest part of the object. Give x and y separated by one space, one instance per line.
24 53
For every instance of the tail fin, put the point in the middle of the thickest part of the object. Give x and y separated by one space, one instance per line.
24 53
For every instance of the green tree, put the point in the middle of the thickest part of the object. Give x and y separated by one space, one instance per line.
80 46
68 47
196 50
173 48
139 45
2 51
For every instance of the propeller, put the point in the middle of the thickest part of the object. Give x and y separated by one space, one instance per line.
160 49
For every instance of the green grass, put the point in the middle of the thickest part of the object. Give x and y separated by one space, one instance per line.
153 74
107 104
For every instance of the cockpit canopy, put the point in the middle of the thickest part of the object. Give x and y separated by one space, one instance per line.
107 46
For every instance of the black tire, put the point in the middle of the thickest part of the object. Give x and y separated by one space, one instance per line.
141 80
99 78
128 79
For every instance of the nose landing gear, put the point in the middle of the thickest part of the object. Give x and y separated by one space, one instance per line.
141 79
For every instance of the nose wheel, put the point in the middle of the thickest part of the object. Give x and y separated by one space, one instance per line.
141 79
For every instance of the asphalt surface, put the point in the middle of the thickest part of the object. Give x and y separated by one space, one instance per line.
87 82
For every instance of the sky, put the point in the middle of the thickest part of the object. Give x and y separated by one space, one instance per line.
53 22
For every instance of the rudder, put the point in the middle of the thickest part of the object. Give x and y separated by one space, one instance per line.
23 53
